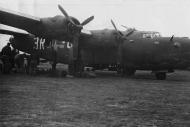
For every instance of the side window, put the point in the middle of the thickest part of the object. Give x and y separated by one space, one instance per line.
144 36
147 36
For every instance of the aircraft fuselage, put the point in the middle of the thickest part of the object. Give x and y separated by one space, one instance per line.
103 48
158 53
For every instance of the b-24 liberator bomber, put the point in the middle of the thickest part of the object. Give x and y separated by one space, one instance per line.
124 51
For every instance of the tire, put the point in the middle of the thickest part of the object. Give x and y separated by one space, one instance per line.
129 72
161 75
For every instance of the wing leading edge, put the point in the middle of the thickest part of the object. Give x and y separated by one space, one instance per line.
18 20
14 33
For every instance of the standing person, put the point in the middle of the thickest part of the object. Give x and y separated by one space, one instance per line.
26 63
6 50
14 52
33 62
6 57
54 54
19 62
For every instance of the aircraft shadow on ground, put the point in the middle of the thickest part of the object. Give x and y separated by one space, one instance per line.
147 75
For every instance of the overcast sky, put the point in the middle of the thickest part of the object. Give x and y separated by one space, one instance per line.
165 16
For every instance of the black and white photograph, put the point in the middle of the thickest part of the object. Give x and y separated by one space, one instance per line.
94 63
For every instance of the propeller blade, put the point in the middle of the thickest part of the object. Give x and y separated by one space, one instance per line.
65 14
121 34
87 20
63 11
129 32
75 30
125 27
114 25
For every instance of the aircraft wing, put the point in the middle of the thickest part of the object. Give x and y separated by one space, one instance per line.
14 33
85 33
18 20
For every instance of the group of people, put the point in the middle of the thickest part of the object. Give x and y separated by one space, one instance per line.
12 60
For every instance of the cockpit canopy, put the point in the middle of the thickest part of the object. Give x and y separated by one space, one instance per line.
151 35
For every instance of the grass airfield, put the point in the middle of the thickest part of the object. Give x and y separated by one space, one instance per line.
104 101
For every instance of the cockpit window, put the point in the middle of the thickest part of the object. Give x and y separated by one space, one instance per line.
151 35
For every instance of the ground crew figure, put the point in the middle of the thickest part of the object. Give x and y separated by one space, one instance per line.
26 64
14 52
6 56
6 50
5 64
33 62
19 62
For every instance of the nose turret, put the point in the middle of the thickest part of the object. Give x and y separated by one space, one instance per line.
183 45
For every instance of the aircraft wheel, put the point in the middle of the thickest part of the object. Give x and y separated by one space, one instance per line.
54 66
161 75
119 70
71 69
129 71
76 68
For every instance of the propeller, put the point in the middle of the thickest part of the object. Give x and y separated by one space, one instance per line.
77 30
87 20
121 35
77 26
125 27
65 14
119 32
129 30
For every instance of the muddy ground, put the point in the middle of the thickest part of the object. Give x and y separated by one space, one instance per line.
104 101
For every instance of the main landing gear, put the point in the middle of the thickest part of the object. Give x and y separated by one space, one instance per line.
53 66
76 68
126 71
160 75
130 71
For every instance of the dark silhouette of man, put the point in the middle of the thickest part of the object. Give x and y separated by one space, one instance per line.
6 50
14 52
6 56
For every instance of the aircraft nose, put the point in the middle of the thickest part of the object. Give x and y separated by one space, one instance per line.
187 41
183 52
184 43
185 46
